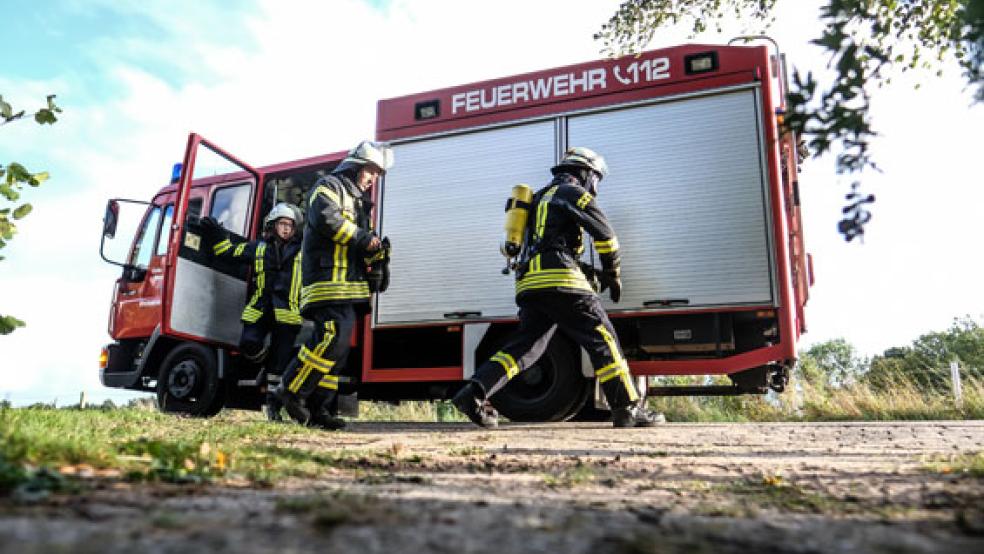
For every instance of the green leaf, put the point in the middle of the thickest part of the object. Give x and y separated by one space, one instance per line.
8 324
22 211
39 178
5 109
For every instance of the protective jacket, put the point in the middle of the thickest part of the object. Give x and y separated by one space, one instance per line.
276 283
560 213
337 231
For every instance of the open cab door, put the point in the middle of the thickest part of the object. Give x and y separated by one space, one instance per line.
203 297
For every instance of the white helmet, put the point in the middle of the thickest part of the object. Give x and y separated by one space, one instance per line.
367 151
580 156
282 210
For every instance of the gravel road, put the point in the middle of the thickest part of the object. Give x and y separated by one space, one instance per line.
564 488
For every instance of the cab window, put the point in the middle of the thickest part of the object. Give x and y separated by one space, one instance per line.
165 233
230 207
144 243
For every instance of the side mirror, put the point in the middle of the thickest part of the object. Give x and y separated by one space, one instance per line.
111 219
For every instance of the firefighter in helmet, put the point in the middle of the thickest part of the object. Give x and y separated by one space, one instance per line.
273 308
342 254
554 292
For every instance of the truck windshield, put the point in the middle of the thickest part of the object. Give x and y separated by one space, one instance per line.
146 237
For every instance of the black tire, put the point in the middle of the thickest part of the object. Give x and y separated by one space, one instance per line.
189 383
548 390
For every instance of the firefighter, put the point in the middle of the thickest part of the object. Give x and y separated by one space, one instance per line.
274 303
555 293
339 247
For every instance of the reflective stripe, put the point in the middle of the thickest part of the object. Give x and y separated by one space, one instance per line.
294 296
548 278
318 292
329 382
308 357
541 211
584 200
606 246
345 232
239 250
287 316
507 362
608 372
222 247
330 194
251 315
623 368
340 264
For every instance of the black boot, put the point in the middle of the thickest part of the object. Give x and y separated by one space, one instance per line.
272 407
293 403
470 401
636 415
324 419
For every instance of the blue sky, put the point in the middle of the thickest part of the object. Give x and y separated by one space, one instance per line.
273 81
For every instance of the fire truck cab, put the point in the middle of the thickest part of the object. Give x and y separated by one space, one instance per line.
703 195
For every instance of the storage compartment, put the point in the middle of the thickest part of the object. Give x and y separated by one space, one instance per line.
697 333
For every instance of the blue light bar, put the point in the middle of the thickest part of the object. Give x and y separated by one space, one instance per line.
175 173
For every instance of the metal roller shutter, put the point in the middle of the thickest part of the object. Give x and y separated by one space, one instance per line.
442 205
687 198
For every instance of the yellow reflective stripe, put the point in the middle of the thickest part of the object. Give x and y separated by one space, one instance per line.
222 247
330 194
507 362
608 372
606 246
584 200
294 296
260 274
287 316
541 211
251 315
326 383
340 269
308 357
239 250
623 371
535 264
345 232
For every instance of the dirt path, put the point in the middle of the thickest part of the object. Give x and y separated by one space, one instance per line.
423 488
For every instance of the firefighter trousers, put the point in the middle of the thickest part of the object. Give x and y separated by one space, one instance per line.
253 342
581 318
312 376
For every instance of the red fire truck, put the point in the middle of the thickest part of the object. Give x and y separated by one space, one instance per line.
702 193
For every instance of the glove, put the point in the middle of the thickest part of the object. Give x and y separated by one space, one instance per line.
591 275
212 230
611 281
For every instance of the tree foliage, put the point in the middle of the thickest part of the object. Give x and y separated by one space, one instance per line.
832 363
13 178
868 42
927 360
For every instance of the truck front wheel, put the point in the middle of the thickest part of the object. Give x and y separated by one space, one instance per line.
552 389
189 382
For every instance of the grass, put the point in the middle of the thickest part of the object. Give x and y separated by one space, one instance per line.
145 445
802 401
961 464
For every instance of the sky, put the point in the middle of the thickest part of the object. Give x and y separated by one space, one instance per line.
272 81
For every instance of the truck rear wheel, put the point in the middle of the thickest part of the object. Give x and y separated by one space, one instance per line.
549 390
189 382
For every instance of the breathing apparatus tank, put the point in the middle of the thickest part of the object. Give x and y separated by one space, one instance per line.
517 214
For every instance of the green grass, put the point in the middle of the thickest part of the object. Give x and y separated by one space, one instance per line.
903 400
960 464
145 445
